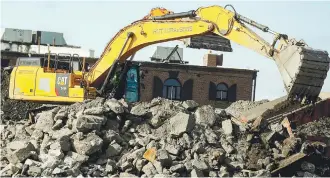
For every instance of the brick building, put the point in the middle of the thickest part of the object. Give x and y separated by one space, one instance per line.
208 84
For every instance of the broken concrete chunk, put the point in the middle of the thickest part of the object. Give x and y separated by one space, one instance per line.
87 123
227 127
110 136
21 153
218 155
223 172
127 166
57 171
158 166
115 106
64 143
125 174
198 148
10 170
62 133
37 134
58 124
165 176
308 174
196 173
139 164
188 165
91 144
137 154
227 147
94 111
270 166
31 162
61 115
113 150
34 171
177 168
111 166
276 127
213 174
15 145
172 149
236 165
190 105
45 122
47 172
181 123
200 165
156 121
211 137
149 169
57 153
164 158
111 125
126 126
29 129
188 140
152 143
73 159
49 161
205 115
309 167
289 146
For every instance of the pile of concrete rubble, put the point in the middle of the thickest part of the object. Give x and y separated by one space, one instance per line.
161 138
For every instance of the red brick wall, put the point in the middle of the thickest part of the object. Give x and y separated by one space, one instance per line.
201 80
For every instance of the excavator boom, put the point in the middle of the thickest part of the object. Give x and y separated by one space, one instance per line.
303 69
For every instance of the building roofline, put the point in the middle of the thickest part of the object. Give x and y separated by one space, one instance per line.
193 67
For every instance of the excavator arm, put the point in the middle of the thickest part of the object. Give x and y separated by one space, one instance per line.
303 69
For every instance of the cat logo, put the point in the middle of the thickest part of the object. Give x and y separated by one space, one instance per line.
62 80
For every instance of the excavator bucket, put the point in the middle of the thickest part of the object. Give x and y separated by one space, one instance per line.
303 70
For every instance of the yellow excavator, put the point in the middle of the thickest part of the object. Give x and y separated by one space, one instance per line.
302 68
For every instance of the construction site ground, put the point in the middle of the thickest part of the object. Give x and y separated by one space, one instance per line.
160 138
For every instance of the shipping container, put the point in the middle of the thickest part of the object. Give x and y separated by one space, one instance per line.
17 35
51 37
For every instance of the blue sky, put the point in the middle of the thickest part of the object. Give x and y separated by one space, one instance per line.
91 24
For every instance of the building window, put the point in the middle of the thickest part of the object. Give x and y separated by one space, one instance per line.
222 92
172 89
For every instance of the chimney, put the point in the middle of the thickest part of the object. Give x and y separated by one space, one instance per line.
213 60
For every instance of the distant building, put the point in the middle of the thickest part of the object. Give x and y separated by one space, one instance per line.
22 43
176 80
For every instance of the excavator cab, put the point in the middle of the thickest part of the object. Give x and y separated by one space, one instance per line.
63 63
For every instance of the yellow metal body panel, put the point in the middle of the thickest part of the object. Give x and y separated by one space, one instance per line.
25 80
33 84
45 84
